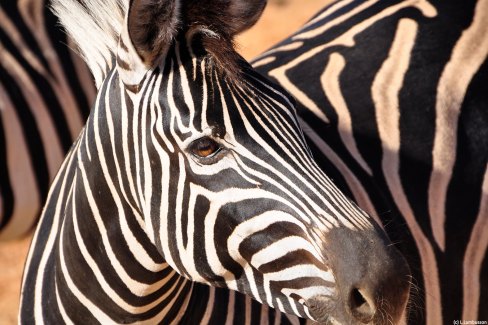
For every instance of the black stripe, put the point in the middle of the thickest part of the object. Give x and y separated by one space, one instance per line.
31 133
6 192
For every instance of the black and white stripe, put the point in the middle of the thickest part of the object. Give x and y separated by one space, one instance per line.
137 219
42 109
392 98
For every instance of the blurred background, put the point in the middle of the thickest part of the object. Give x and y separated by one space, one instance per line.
280 18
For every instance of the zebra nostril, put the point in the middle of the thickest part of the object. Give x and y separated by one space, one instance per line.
362 307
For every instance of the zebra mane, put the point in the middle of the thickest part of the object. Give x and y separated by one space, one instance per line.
95 26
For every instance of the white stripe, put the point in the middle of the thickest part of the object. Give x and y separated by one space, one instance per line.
385 91
21 174
319 210
62 311
281 248
474 256
309 292
132 285
138 252
230 308
334 22
469 53
297 272
92 308
210 305
360 194
51 240
330 81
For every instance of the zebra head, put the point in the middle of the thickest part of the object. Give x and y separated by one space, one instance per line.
215 164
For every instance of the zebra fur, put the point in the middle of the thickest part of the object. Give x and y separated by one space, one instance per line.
42 109
392 101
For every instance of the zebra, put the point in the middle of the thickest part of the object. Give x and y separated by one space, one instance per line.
392 99
192 170
42 109
355 191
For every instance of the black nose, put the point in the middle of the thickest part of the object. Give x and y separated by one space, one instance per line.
372 277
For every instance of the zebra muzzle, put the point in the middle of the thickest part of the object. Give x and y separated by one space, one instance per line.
371 277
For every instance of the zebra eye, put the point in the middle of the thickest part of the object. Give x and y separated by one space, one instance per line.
204 148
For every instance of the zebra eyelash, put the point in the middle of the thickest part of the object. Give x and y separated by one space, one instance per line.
212 158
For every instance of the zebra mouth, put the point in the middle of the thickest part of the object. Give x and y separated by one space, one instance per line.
329 311
320 309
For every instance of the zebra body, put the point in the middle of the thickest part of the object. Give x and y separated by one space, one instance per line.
192 170
42 109
392 98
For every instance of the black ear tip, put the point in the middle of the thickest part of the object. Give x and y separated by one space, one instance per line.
246 13
152 26
230 17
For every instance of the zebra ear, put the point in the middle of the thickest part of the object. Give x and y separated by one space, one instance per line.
227 17
244 14
149 28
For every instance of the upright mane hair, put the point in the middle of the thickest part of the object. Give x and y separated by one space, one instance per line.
95 26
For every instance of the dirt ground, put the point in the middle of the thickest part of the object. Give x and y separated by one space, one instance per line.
280 18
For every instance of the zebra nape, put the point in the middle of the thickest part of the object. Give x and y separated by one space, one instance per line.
192 169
